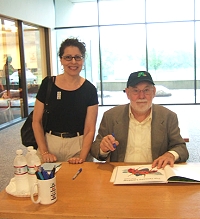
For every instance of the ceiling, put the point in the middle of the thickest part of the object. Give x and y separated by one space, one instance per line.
79 1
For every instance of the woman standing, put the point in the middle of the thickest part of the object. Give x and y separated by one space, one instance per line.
73 105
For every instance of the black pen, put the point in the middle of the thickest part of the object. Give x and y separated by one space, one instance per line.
52 174
44 173
79 171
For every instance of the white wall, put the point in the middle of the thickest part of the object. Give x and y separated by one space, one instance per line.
39 12
81 13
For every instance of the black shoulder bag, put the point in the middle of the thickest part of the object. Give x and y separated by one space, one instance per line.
27 134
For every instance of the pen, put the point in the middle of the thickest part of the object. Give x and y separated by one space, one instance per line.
114 145
79 171
44 173
39 175
52 174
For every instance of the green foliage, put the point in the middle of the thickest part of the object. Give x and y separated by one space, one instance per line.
162 60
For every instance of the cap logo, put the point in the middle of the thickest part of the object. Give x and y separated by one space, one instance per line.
141 74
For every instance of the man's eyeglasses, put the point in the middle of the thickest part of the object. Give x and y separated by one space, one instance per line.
69 58
146 91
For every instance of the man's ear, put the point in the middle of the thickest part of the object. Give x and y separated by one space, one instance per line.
154 91
127 91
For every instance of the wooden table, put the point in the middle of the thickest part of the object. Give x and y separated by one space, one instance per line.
91 195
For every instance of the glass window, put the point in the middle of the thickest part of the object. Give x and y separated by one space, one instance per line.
35 60
10 63
123 50
11 99
130 40
198 59
121 11
171 60
169 10
197 9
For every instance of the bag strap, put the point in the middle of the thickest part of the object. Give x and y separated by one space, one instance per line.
51 80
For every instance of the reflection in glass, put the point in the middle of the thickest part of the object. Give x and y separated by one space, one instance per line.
9 63
34 60
11 99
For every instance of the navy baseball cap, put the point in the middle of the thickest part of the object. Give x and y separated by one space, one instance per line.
139 76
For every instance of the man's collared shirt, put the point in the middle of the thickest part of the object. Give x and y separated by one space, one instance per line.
139 140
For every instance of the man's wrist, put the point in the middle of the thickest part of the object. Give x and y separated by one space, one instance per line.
104 154
175 154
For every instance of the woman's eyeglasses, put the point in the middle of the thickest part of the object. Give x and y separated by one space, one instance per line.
69 58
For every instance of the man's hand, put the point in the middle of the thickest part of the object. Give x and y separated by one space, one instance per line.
107 143
162 161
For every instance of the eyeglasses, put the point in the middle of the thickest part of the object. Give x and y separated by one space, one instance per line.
69 58
146 91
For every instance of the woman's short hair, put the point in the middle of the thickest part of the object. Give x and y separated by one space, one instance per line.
72 42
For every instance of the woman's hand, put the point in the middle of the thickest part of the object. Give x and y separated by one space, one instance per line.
48 158
75 160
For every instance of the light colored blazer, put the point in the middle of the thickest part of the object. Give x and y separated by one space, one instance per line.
165 133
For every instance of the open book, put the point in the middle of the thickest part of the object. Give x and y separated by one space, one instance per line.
143 174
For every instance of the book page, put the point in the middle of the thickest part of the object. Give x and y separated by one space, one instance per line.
169 172
113 176
185 173
137 174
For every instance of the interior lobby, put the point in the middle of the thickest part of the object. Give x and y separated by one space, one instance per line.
121 37
116 46
166 44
